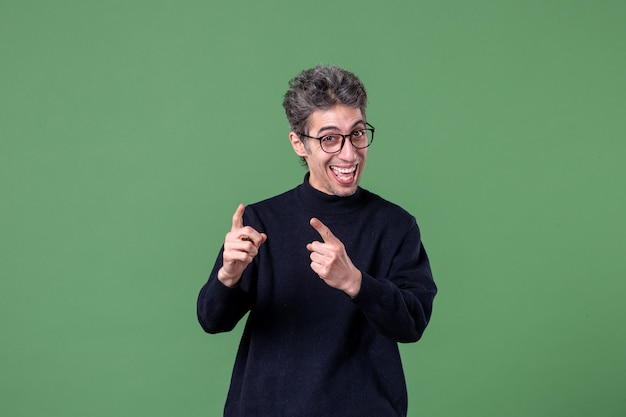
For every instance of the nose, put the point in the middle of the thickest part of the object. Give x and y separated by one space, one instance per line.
347 152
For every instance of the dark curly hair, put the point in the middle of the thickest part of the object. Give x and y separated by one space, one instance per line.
321 88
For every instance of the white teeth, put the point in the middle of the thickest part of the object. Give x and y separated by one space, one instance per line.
344 170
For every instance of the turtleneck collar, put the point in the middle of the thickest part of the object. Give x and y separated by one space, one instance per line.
317 201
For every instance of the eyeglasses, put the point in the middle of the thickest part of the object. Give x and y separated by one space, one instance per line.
360 139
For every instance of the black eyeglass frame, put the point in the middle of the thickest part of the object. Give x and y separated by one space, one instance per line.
370 128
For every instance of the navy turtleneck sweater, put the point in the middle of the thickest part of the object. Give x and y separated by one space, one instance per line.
307 348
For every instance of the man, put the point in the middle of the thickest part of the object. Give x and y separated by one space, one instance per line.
333 276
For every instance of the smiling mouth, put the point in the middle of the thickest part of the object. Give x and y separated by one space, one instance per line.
345 175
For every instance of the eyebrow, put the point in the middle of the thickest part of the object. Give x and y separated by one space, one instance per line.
324 128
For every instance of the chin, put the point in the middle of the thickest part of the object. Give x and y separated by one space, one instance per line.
345 192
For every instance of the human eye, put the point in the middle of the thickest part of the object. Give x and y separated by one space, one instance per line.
330 139
359 138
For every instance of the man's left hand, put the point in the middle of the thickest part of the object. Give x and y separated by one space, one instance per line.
330 261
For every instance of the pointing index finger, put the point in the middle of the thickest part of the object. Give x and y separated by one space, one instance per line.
238 217
323 230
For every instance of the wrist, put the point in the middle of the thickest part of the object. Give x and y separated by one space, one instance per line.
354 286
227 279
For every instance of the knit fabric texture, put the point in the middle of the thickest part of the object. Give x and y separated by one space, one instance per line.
308 349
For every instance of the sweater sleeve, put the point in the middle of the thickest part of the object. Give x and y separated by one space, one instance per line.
400 304
219 307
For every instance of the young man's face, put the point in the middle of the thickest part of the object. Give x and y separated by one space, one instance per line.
338 173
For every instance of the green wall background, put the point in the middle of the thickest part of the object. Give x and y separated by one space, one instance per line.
130 130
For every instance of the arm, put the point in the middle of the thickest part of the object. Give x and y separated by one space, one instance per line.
400 304
226 297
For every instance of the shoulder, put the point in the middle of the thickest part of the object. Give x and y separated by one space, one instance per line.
274 202
384 208
388 218
270 210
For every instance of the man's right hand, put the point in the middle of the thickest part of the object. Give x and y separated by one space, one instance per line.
241 245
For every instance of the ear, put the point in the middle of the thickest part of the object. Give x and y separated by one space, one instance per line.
298 146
